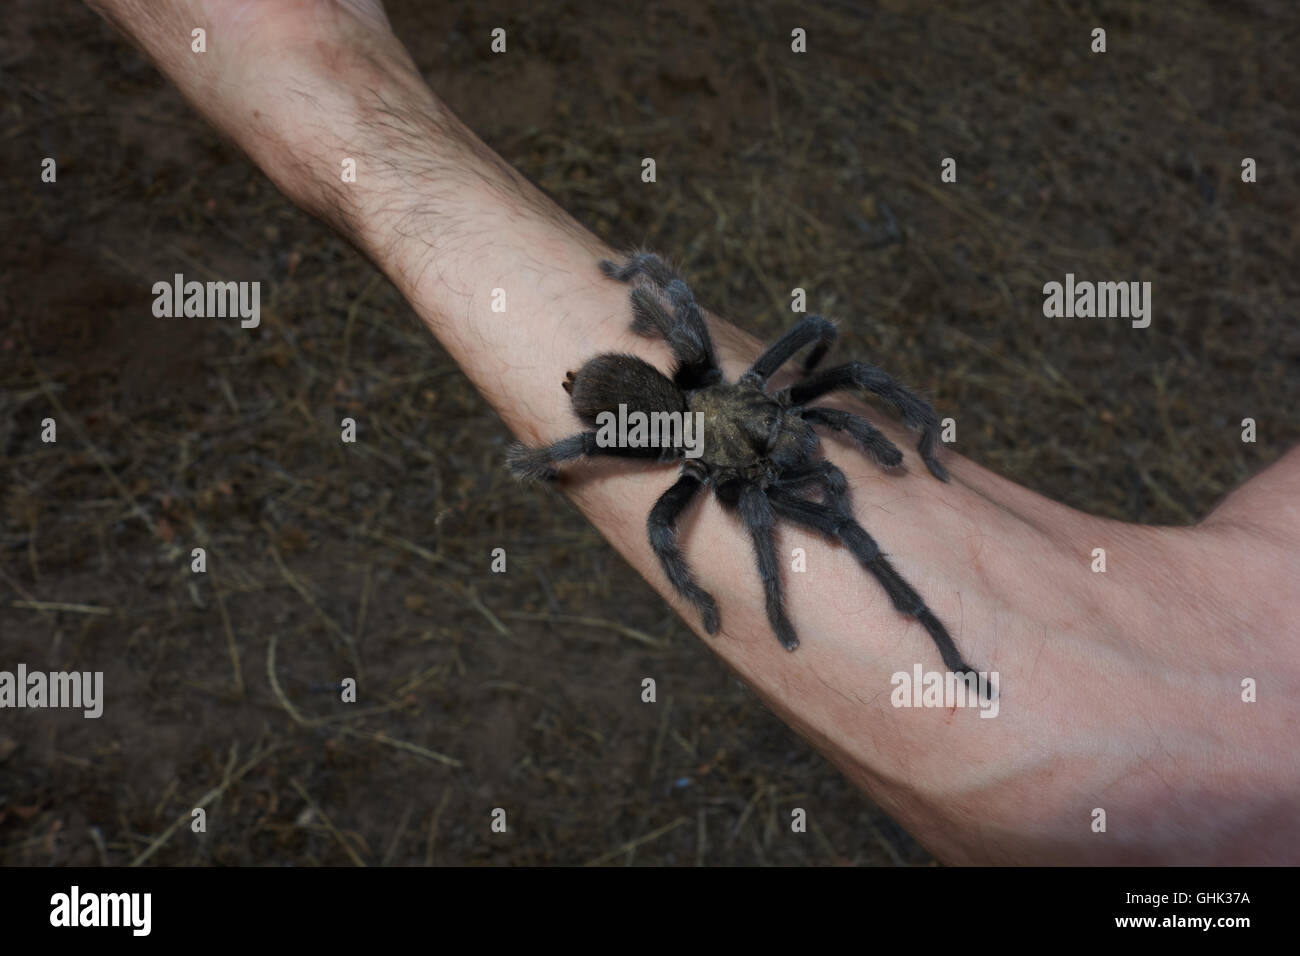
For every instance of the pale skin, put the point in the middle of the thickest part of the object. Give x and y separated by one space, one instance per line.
1119 691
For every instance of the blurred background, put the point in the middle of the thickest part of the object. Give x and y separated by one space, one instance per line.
521 690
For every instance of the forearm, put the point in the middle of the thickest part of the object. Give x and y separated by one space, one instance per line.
1008 572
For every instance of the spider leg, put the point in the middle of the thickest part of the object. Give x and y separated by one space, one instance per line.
758 518
663 539
832 480
665 305
840 525
684 330
879 448
538 464
660 272
916 411
813 329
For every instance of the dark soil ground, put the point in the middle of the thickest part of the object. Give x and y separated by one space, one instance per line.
522 690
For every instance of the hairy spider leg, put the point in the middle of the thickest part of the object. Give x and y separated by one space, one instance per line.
538 464
662 526
814 329
842 526
675 316
758 518
877 447
659 272
820 470
917 412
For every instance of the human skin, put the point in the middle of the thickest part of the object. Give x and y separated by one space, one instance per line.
1119 691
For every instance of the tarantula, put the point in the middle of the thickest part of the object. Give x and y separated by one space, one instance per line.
758 447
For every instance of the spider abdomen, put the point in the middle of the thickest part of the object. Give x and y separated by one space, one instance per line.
612 379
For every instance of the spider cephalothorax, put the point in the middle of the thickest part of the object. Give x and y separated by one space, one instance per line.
758 446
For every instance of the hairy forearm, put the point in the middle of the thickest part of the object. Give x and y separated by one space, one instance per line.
1092 713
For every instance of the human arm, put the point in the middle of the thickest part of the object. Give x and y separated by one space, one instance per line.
1119 690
